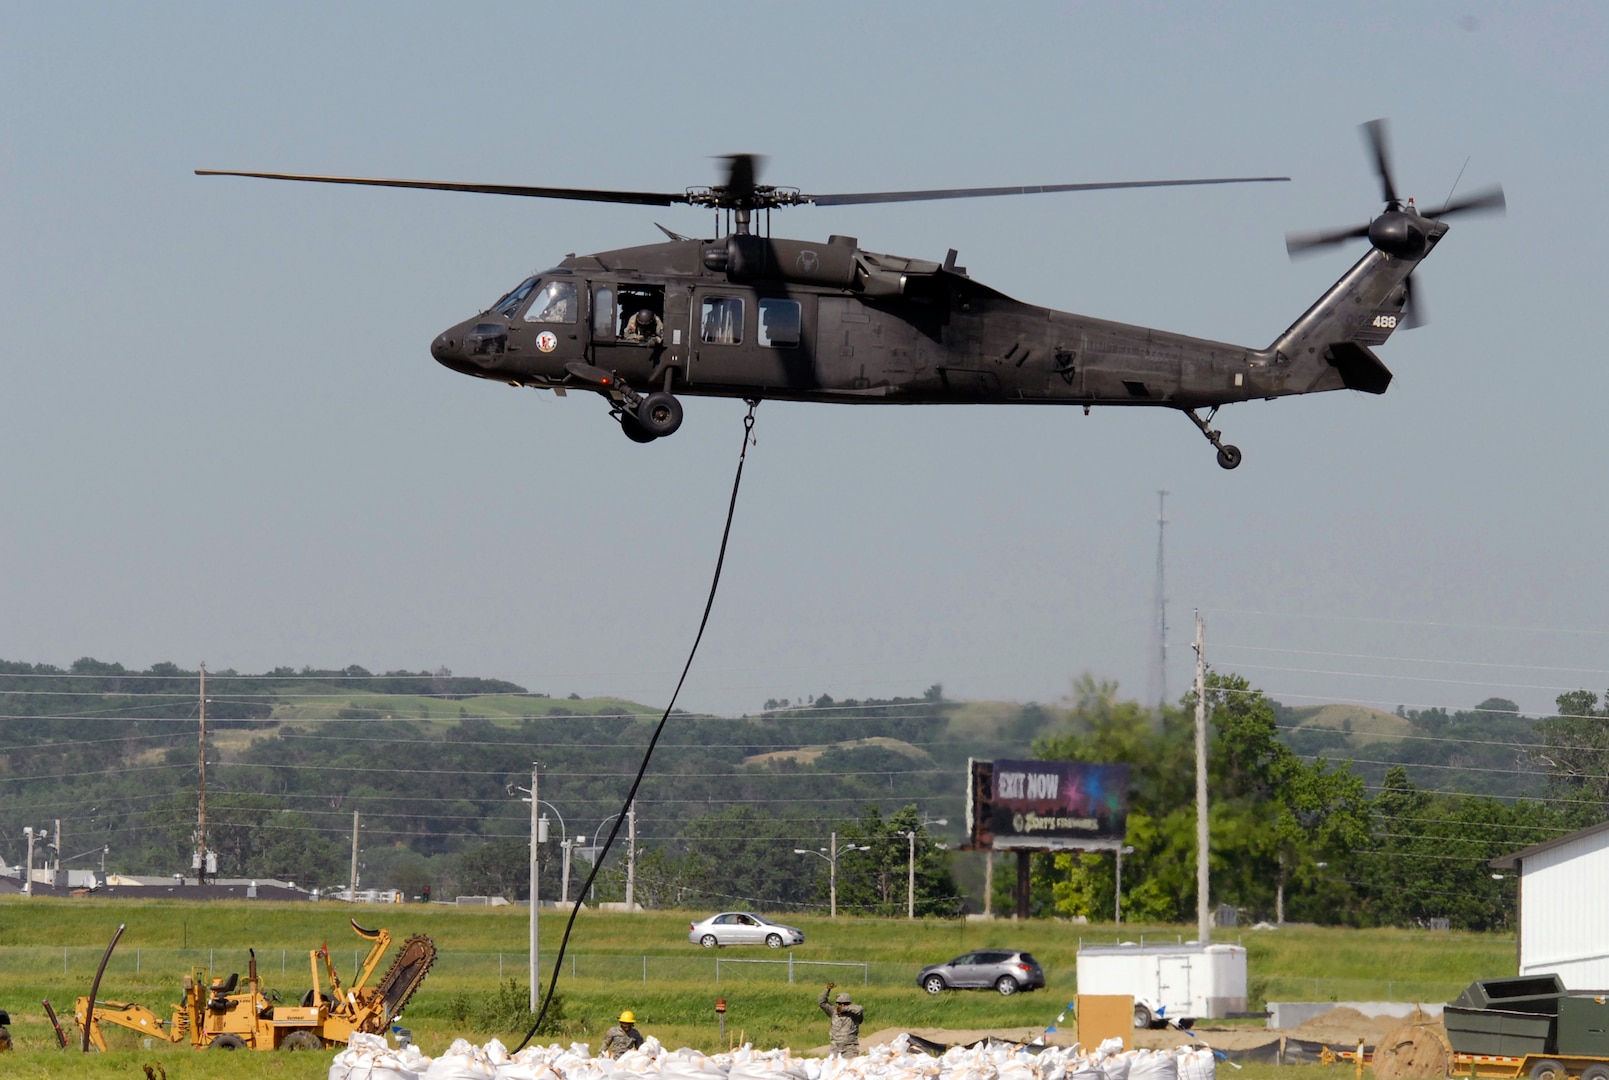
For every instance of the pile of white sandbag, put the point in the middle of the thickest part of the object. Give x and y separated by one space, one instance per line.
369 1057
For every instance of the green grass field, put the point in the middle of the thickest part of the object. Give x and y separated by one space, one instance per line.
49 949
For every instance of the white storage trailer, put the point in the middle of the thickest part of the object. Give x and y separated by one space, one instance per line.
1167 982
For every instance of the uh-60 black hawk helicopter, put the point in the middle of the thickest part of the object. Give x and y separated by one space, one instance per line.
755 317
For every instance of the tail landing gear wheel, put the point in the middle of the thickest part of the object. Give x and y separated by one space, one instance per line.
660 413
1228 456
634 429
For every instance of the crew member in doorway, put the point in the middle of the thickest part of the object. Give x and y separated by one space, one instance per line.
645 328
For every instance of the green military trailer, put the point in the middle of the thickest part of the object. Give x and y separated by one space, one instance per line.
1530 1026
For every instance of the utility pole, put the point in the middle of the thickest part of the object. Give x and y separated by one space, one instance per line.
910 881
353 885
201 801
988 884
1161 685
55 863
631 855
567 844
28 883
536 828
1203 924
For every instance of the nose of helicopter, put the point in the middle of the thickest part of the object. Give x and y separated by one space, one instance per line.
445 348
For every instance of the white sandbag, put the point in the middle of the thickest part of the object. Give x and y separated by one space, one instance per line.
688 1064
462 1061
1153 1065
1197 1064
1115 1065
367 1057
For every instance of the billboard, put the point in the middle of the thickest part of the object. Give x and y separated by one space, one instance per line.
1047 805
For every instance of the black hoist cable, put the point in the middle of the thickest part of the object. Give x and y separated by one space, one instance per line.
620 819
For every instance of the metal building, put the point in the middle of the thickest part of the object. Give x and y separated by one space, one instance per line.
1563 918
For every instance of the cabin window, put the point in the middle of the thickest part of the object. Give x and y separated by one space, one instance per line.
779 323
554 303
511 301
603 312
722 320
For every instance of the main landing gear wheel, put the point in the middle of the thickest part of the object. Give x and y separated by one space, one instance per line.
1228 456
660 413
634 429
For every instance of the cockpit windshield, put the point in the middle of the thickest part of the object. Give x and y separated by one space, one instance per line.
555 302
511 301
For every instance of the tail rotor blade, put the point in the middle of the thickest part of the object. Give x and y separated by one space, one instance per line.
1486 201
1413 308
1375 132
1302 243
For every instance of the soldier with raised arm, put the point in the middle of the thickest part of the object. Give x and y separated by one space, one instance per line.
844 1018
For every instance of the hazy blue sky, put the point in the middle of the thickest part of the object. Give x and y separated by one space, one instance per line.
222 436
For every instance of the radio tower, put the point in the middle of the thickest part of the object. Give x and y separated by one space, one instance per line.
1160 683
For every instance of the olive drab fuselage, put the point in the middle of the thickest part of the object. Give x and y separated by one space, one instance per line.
760 318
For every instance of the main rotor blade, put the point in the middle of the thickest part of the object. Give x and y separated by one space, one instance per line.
853 198
1299 243
1487 201
639 198
1375 132
741 171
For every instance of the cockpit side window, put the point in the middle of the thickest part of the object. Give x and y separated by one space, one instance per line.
555 302
511 301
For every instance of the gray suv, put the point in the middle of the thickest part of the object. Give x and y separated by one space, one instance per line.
986 969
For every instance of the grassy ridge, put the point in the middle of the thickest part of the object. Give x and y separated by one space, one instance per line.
675 1002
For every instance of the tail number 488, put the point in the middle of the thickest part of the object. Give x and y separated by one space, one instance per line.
1385 322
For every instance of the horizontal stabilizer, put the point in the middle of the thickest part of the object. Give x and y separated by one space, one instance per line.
1360 369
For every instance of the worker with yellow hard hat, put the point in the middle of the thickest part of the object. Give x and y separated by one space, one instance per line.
623 1036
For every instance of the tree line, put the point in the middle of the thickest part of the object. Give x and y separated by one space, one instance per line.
1297 830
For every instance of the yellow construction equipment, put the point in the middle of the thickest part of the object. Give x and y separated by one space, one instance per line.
213 1016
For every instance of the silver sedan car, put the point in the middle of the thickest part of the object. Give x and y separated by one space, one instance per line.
742 928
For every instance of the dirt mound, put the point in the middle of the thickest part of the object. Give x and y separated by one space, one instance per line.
1344 1026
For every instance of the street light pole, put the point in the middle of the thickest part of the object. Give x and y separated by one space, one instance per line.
910 878
535 905
832 877
831 855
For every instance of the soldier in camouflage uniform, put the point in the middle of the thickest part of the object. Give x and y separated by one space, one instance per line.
844 1027
623 1037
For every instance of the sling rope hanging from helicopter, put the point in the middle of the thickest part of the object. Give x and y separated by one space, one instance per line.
709 604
